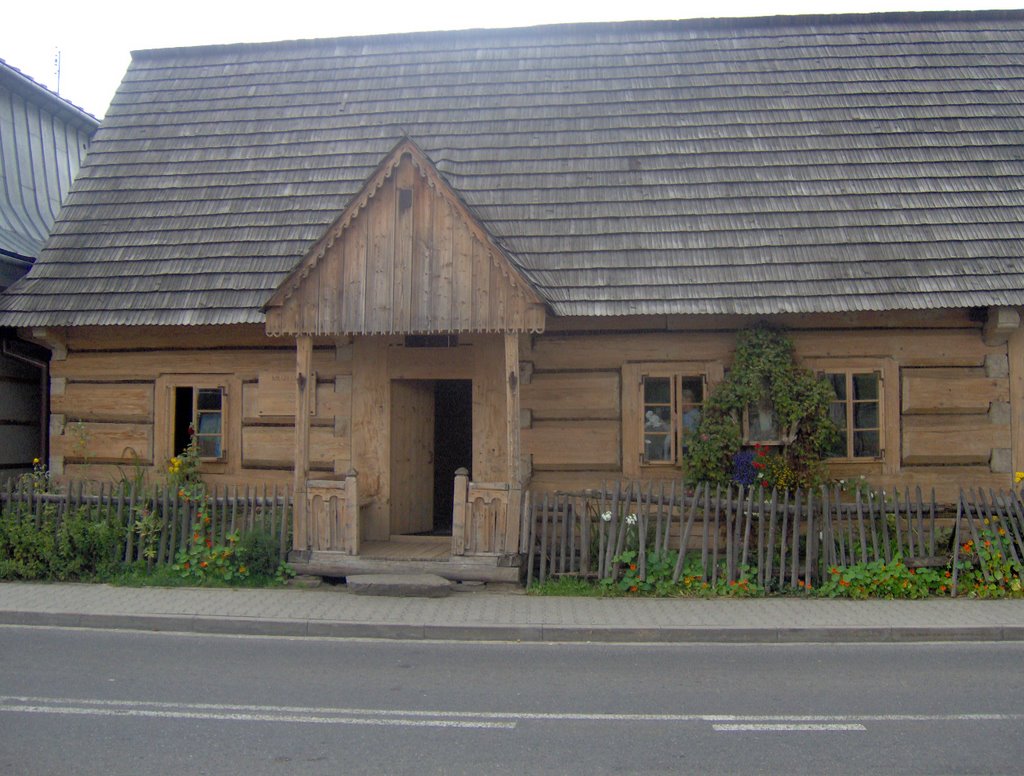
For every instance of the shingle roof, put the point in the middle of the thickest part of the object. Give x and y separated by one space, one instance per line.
789 164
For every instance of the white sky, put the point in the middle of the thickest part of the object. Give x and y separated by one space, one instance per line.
95 38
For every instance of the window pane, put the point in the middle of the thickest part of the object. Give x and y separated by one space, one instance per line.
695 386
658 447
762 423
865 415
865 443
209 446
657 390
838 385
208 399
658 419
838 450
209 423
837 411
865 386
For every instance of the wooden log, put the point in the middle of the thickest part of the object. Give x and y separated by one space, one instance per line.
732 516
769 545
530 544
684 534
129 539
704 536
921 544
956 545
969 517
795 560
884 522
931 522
809 546
543 540
713 571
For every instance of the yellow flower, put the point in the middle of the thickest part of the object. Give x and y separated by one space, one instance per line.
35 462
1018 477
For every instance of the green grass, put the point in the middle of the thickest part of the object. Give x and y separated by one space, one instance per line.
567 586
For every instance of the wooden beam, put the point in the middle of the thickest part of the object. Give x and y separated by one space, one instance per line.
303 380
512 407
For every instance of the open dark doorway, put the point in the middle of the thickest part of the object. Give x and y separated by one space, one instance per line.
453 444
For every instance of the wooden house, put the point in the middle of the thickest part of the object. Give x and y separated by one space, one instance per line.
357 266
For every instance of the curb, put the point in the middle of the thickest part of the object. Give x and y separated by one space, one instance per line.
253 626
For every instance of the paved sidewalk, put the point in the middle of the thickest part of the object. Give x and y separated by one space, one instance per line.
506 615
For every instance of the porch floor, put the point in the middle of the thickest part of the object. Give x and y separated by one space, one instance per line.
408 548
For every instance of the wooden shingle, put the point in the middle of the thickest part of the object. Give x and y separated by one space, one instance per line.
801 164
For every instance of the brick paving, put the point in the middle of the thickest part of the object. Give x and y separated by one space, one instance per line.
506 613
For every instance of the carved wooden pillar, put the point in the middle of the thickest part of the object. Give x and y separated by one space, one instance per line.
304 388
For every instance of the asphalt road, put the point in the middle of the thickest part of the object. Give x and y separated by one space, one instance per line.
120 702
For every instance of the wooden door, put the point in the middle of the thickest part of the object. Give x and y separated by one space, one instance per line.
412 456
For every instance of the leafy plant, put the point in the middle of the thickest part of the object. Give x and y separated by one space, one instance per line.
764 370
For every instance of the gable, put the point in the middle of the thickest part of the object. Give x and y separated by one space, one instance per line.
406 257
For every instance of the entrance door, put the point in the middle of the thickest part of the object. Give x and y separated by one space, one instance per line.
412 456
431 437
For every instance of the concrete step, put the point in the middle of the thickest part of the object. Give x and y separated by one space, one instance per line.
401 585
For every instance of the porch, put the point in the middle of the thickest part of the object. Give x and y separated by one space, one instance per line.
330 522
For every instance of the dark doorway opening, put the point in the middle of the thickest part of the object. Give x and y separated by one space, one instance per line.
453 444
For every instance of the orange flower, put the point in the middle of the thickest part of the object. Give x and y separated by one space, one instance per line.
800 583
202 564
942 588
910 570
195 537
209 543
633 589
632 567
187 564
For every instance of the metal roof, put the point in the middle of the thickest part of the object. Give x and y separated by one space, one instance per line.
787 164
42 142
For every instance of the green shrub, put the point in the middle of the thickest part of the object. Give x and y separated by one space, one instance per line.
258 549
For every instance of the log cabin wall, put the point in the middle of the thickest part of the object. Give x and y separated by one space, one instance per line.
945 393
110 408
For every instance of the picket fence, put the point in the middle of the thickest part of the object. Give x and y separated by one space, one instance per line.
785 541
158 517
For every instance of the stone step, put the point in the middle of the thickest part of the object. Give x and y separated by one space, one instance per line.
400 585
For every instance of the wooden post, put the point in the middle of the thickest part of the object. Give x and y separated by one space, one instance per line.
515 478
303 376
353 532
459 511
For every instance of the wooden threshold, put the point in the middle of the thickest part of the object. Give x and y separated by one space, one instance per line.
485 568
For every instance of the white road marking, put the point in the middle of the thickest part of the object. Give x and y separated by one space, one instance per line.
778 727
444 718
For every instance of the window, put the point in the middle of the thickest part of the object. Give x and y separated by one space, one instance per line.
196 404
857 411
670 412
199 411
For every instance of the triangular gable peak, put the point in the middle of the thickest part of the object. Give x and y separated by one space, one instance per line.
405 257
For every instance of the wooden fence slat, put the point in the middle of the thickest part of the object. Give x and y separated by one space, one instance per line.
684 533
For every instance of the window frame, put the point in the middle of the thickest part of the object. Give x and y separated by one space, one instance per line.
634 408
230 394
888 406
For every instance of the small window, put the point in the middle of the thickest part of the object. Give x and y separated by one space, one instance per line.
857 412
670 412
199 411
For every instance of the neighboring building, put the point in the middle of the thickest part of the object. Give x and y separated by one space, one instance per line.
43 139
528 252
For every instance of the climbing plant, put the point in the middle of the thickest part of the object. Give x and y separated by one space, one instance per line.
764 373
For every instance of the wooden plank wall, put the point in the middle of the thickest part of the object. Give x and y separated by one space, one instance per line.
946 393
105 403
410 260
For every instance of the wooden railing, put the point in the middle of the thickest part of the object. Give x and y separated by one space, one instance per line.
156 521
331 521
785 541
485 517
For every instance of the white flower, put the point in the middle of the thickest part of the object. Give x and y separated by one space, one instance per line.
631 519
606 516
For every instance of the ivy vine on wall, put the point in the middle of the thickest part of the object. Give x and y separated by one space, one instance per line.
764 373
